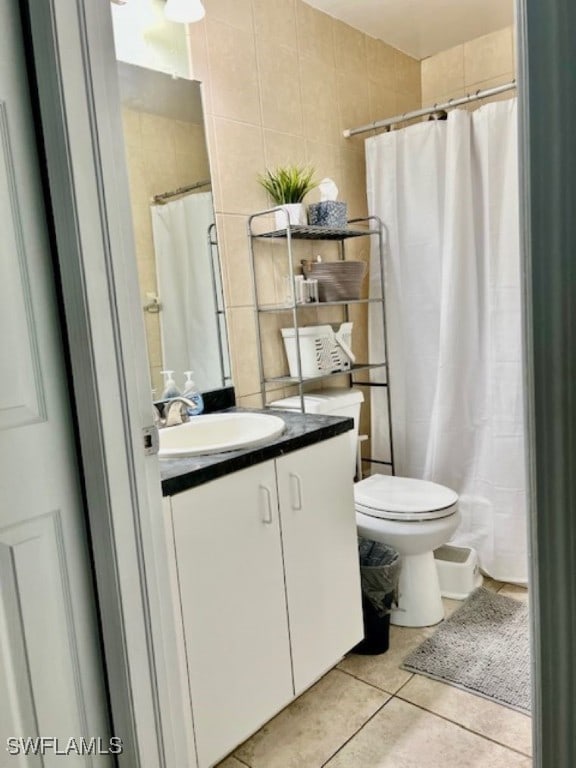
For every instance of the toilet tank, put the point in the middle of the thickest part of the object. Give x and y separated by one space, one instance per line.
343 402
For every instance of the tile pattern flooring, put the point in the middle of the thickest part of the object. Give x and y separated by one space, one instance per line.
369 713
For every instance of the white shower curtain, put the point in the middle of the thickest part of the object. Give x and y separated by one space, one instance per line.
188 323
448 194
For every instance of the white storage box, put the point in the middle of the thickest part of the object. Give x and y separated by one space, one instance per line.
322 350
338 401
458 571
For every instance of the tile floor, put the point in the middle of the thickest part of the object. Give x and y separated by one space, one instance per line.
369 713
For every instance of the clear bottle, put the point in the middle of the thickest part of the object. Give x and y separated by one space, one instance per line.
192 393
170 389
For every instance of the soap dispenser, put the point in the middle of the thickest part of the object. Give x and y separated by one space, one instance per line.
170 389
191 393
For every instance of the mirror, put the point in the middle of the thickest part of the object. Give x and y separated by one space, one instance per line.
174 227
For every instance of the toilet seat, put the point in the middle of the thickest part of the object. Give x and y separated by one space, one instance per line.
403 498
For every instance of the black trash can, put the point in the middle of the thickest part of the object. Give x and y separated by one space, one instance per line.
379 572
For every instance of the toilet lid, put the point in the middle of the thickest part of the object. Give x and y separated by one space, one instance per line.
403 498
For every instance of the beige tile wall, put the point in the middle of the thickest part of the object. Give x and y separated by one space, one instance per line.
281 83
162 155
480 63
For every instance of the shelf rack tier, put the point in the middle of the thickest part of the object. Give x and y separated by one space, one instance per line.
314 305
317 233
357 368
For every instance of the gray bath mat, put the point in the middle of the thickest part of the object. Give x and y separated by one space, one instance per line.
483 647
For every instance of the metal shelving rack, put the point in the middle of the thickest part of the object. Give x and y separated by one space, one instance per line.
371 226
219 308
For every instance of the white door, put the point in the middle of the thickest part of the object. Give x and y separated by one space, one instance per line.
51 676
320 556
229 562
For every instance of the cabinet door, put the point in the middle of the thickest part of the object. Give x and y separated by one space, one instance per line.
231 585
320 556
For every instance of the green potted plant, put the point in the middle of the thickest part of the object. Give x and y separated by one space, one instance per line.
287 186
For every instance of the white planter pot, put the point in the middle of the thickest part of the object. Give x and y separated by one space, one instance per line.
296 213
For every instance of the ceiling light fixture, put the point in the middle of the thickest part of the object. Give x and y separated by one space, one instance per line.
184 11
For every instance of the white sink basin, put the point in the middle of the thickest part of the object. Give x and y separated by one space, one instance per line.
218 432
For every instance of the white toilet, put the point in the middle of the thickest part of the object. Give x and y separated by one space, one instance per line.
413 516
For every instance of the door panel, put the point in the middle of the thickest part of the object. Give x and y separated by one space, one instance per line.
21 393
50 663
320 556
231 584
35 603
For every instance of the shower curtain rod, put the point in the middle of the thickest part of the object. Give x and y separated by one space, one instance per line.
165 196
430 110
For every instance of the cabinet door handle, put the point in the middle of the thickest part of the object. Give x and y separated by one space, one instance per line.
296 492
266 504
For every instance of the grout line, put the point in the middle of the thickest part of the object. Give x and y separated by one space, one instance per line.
405 684
256 39
364 724
372 685
464 727
302 135
239 760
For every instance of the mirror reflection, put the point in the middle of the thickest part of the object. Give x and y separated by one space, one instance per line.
174 227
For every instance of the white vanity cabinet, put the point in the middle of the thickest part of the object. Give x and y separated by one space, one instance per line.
267 582
320 556
233 604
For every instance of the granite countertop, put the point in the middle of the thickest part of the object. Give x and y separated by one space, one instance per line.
302 429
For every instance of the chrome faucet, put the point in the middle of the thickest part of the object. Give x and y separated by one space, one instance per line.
173 412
